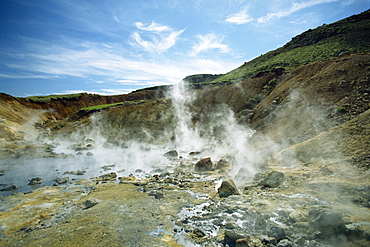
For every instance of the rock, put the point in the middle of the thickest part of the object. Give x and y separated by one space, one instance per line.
244 242
284 243
343 84
62 180
228 188
266 240
222 164
231 235
328 221
198 233
78 172
194 153
109 176
89 141
137 182
2 172
35 181
231 225
297 216
156 194
89 203
277 232
204 165
171 154
89 154
10 187
273 179
108 167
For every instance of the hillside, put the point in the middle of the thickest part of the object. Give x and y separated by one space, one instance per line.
273 153
350 35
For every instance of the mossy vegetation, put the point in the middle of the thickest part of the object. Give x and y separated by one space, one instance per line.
99 107
105 106
48 98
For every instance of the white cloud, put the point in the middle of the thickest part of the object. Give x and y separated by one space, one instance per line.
162 37
157 45
154 27
208 42
98 63
240 18
347 2
296 7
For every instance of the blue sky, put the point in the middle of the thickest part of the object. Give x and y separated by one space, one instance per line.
116 46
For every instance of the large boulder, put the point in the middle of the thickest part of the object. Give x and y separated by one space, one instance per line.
204 165
171 154
326 220
35 181
272 179
228 188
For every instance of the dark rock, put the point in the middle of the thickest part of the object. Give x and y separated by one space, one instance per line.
108 167
198 233
10 187
109 176
277 232
156 194
259 177
78 172
62 180
2 172
194 153
266 240
231 225
231 235
328 221
204 165
91 202
171 154
343 84
228 188
244 242
222 164
273 179
89 154
35 181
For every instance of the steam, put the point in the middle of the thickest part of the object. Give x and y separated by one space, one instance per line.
137 150
214 132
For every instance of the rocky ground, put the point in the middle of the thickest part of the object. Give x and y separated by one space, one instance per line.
300 204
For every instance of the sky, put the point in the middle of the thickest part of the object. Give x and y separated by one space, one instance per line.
117 46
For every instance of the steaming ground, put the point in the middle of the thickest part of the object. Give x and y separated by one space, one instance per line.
298 162
89 150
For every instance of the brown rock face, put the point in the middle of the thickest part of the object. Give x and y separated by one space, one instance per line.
204 165
228 188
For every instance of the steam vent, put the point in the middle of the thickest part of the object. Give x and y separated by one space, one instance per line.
272 153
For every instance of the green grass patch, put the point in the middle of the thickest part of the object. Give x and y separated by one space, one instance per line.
48 98
99 107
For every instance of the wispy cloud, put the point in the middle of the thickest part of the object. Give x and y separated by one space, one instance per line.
239 18
154 27
296 7
162 37
157 44
209 42
95 60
